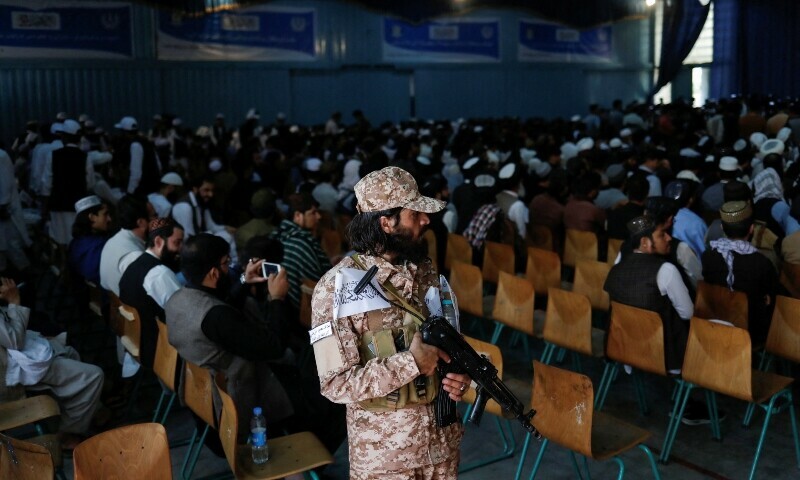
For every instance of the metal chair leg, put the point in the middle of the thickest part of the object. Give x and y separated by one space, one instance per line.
521 463
621 467
652 460
675 422
539 458
770 409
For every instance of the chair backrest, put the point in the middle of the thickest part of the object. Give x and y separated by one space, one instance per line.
636 338
131 325
614 246
513 303
458 250
579 245
115 320
198 392
716 301
331 241
228 425
495 357
430 239
783 338
497 257
95 298
718 358
790 278
467 283
30 461
306 292
543 270
564 404
165 361
540 236
133 451
568 322
590 276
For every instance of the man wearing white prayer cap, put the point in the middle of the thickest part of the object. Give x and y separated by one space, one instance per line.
508 198
167 194
713 198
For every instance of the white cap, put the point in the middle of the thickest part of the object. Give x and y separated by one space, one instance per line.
492 157
773 145
83 117
61 116
128 124
71 127
728 164
687 175
471 163
86 203
172 178
689 153
543 169
575 118
56 127
425 150
252 114
409 132
215 165
757 139
203 131
703 140
625 132
585 143
294 129
423 160
477 129
710 159
568 151
784 134
739 145
507 171
615 143
177 122
527 154
312 164
484 180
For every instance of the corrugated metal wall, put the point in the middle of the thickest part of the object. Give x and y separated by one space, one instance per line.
349 74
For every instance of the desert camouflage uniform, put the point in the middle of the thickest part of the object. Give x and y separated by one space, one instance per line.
405 443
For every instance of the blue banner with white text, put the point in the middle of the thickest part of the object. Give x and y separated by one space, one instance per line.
61 29
250 34
541 41
461 40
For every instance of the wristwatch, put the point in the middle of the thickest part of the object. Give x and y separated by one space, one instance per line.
242 279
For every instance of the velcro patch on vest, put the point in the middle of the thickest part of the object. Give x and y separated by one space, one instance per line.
321 331
347 303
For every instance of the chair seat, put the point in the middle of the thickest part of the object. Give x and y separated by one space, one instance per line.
611 436
52 444
288 455
766 384
129 345
27 410
598 342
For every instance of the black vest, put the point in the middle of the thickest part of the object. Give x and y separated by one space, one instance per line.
199 227
151 174
633 282
69 178
131 292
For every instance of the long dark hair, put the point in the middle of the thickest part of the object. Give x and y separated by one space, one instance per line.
365 233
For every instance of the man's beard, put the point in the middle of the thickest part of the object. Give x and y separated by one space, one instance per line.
170 259
403 245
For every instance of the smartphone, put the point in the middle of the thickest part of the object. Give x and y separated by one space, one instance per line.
269 268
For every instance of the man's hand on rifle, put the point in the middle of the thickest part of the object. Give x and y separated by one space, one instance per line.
426 356
456 384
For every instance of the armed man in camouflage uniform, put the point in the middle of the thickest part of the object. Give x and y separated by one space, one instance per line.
387 438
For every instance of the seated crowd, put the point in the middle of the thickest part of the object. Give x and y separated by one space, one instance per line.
177 224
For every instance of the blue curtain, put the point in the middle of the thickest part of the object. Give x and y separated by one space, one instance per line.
756 48
683 22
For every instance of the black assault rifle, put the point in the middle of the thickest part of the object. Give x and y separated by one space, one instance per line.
438 332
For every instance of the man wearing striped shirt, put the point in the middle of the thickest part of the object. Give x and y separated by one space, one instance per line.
302 253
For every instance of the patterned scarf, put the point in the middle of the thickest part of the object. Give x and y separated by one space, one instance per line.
726 247
767 184
480 224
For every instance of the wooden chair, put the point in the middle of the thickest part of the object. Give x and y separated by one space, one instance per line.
790 278
718 302
331 242
95 299
21 460
614 246
433 254
288 455
458 250
540 236
568 325
132 329
198 395
492 353
543 270
497 257
590 276
718 359
513 306
467 283
579 245
635 338
783 339
133 451
165 364
566 417
31 411
115 320
306 292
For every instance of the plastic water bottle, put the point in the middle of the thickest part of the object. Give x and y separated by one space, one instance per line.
258 437
449 310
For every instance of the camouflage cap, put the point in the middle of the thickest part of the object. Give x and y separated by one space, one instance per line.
392 187
735 212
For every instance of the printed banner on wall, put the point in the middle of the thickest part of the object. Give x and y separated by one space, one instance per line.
251 34
541 41
449 40
61 29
